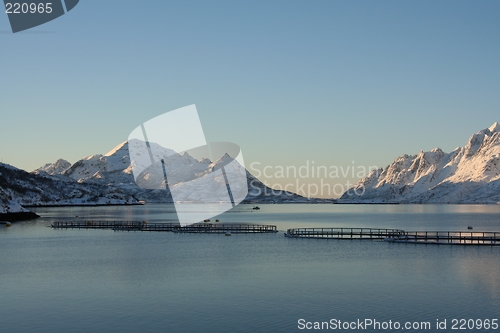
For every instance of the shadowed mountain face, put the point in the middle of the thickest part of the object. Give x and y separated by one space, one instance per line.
469 174
40 188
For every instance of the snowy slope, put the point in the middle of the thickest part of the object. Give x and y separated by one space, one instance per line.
7 203
470 174
39 189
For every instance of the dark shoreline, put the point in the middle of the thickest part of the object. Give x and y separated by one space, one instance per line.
82 205
20 216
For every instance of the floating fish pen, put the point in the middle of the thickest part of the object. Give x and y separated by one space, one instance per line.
148 227
227 228
400 236
97 224
343 233
172 227
447 238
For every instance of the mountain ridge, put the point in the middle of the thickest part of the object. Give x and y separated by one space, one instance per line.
115 169
108 179
468 174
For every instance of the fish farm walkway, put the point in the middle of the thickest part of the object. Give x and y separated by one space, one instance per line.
342 233
172 227
448 237
400 236
387 235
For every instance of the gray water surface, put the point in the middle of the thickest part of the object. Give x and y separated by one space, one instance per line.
106 281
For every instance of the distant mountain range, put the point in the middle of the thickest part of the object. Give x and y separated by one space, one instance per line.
108 179
469 174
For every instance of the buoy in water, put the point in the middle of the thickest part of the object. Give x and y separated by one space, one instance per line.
470 227
227 234
216 220
8 224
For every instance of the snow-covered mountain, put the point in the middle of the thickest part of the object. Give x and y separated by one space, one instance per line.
58 167
41 189
19 188
8 206
469 174
114 171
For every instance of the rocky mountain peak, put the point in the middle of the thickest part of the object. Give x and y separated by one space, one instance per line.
121 149
466 175
494 128
56 168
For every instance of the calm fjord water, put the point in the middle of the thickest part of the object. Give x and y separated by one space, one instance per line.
106 281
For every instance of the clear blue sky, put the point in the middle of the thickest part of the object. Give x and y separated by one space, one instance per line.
289 81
